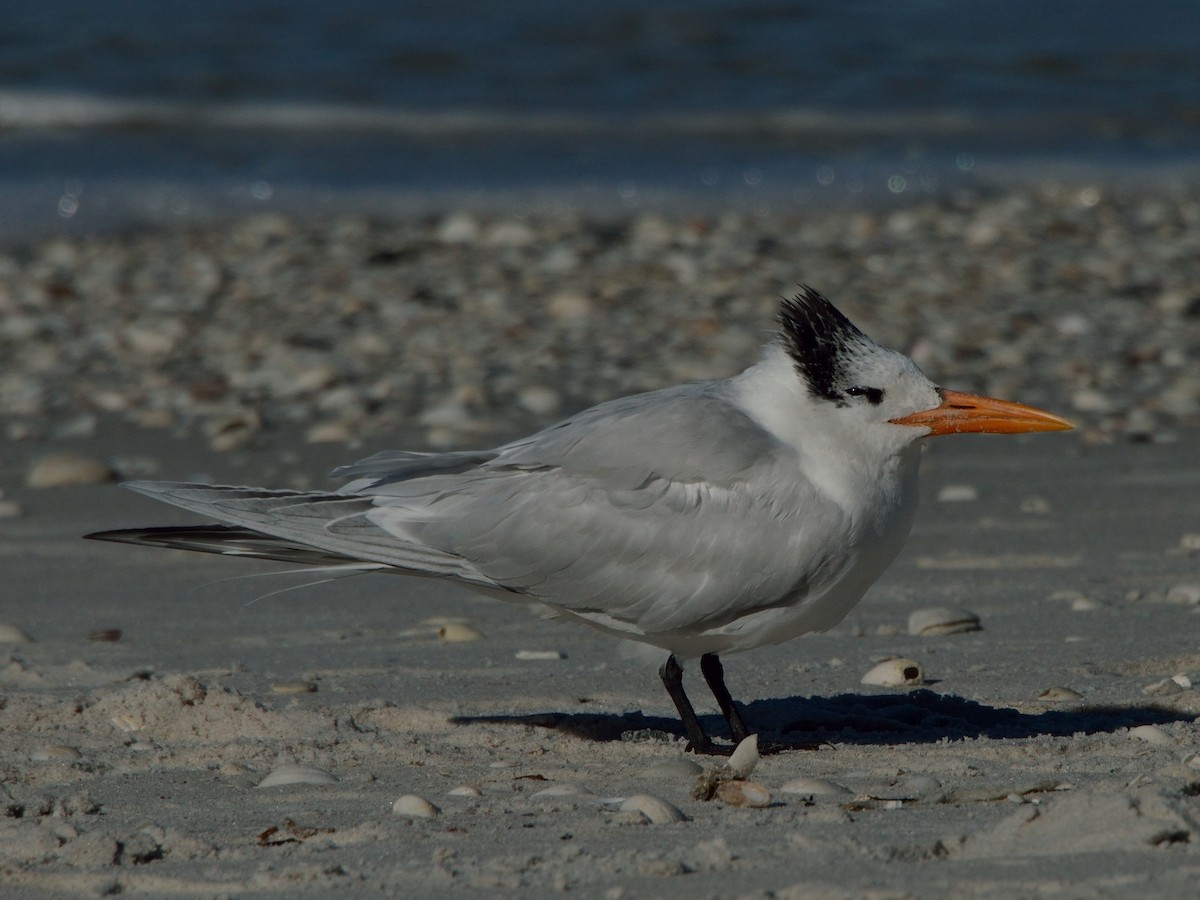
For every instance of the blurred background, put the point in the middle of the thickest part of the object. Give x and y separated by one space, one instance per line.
127 111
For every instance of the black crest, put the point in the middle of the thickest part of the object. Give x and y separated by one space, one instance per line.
821 342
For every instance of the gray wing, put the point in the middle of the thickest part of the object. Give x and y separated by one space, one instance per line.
663 512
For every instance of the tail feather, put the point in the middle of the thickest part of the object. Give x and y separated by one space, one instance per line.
228 540
333 524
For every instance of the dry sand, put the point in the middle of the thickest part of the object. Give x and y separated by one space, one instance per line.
132 765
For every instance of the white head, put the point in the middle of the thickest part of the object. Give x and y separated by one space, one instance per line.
875 397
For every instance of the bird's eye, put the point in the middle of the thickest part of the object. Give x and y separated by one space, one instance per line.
874 395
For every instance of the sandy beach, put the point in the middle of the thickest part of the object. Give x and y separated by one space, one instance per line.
146 696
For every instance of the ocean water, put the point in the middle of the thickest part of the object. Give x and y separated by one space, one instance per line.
124 110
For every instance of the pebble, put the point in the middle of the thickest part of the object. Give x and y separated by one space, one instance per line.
414 807
1190 541
11 634
653 810
743 793
957 493
897 672
66 469
292 773
940 620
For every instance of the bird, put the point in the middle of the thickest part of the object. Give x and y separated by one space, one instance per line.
703 519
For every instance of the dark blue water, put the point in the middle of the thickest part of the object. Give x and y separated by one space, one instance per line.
126 108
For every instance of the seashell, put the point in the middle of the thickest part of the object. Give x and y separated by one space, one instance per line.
942 620
11 634
541 654
464 790
897 672
291 773
1192 760
1188 594
55 753
1084 604
561 790
680 768
1059 695
1163 688
293 687
414 807
128 721
958 493
655 810
744 793
1151 734
814 787
1183 681
457 633
66 468
744 757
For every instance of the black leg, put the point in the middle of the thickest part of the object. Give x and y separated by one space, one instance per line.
714 674
671 674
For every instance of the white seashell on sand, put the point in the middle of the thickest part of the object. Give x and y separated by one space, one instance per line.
1059 694
11 634
655 810
292 773
67 468
561 790
457 632
464 790
957 493
898 672
1151 734
744 793
414 807
744 757
55 753
938 620
293 687
814 787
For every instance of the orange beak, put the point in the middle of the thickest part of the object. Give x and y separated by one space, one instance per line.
967 413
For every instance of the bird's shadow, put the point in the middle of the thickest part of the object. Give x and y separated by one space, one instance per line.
919 716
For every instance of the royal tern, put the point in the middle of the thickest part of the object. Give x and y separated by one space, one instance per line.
703 519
